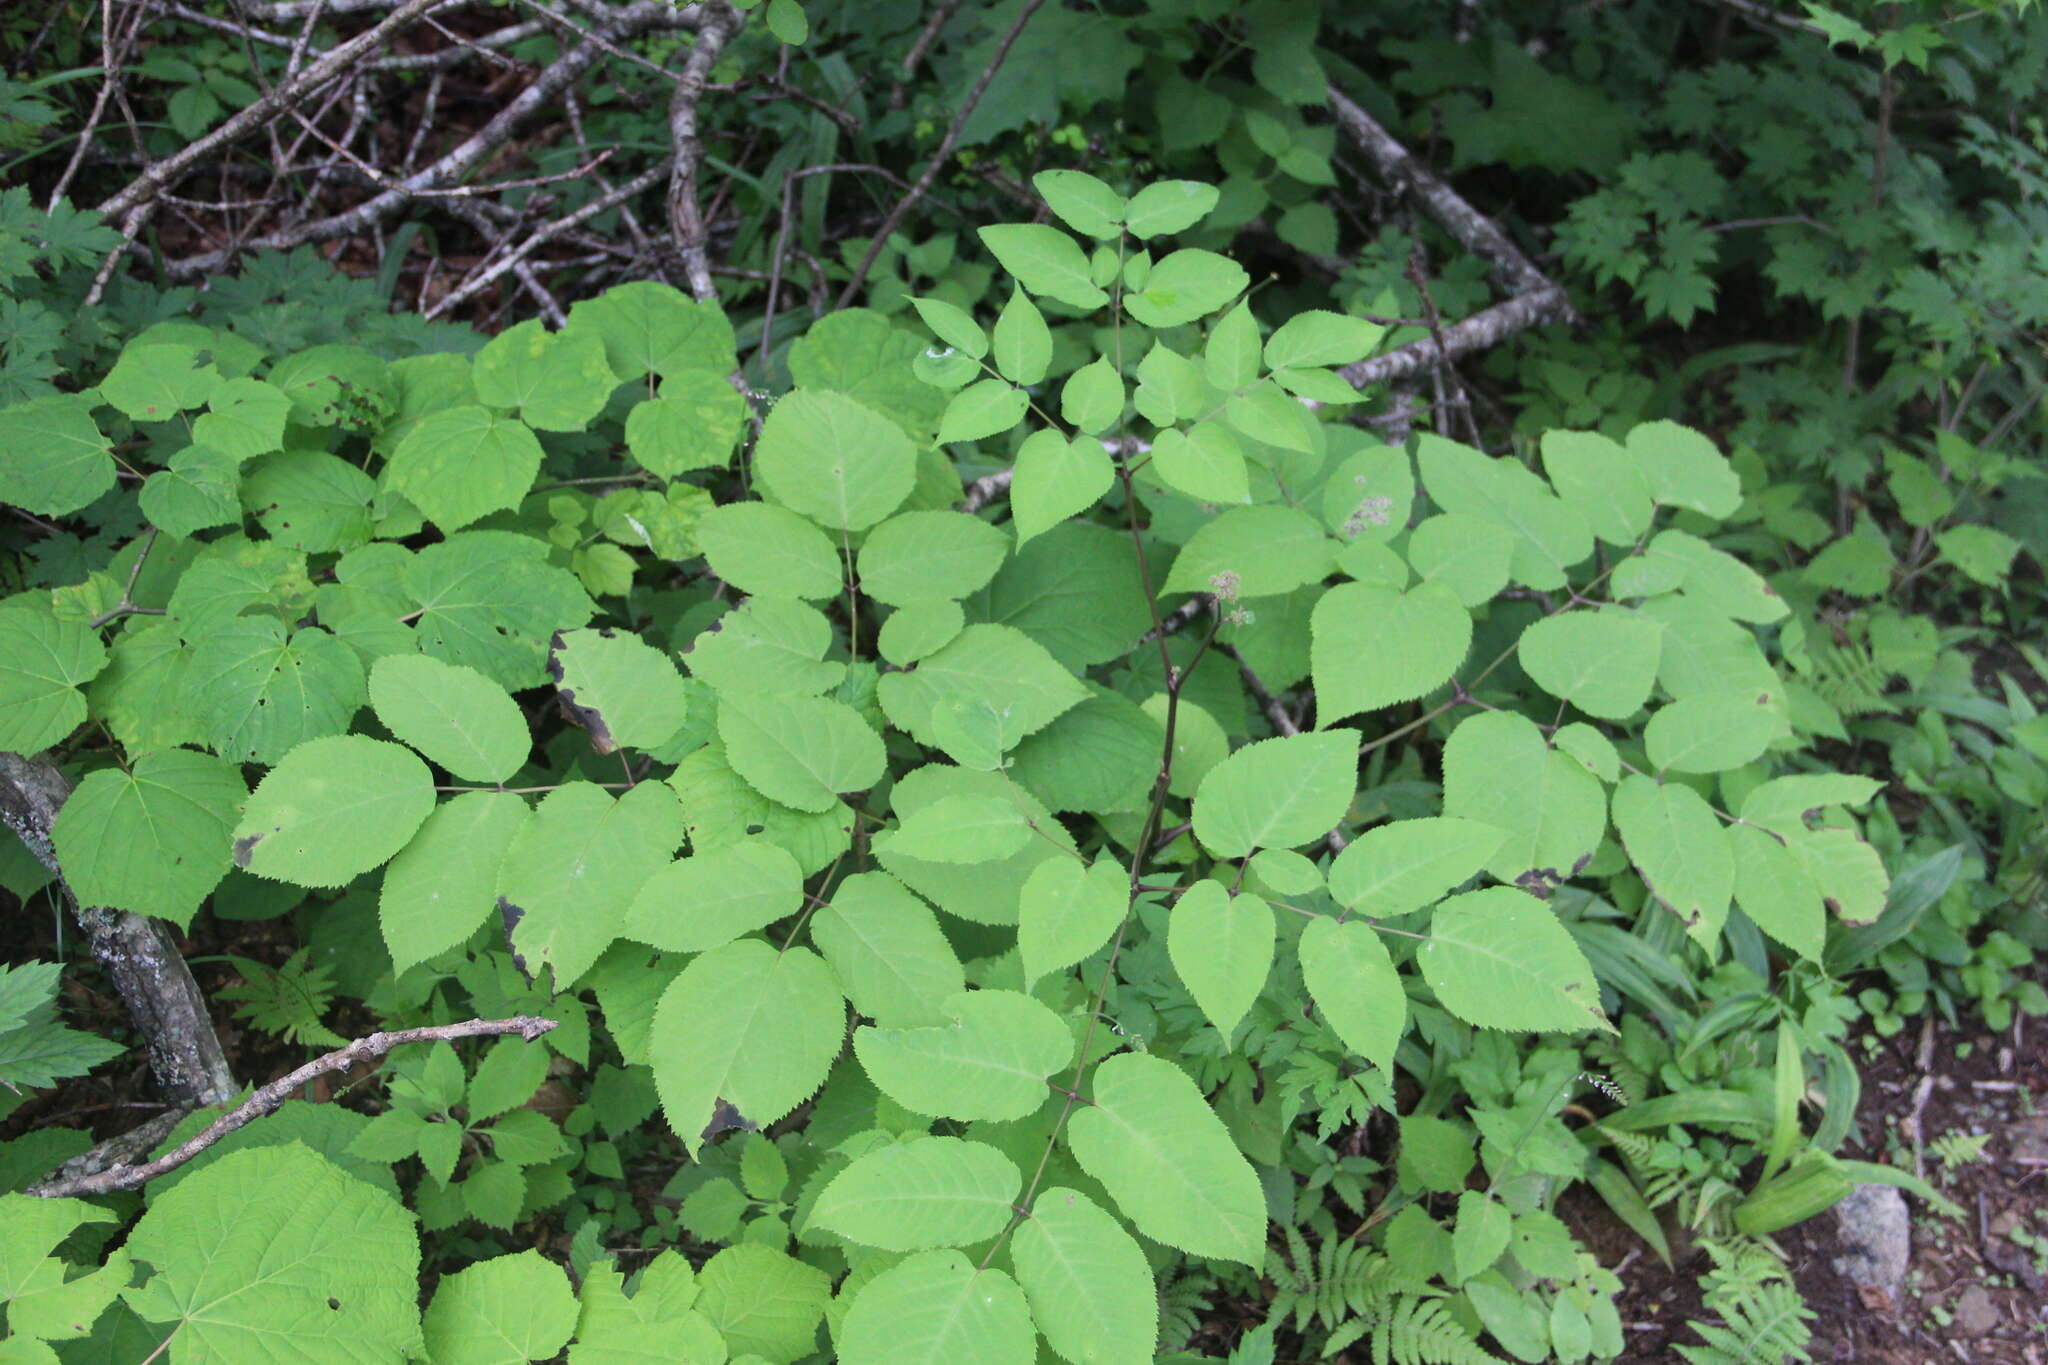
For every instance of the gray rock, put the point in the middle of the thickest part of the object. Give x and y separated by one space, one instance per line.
1876 1240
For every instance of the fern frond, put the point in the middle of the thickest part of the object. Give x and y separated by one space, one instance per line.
1766 1328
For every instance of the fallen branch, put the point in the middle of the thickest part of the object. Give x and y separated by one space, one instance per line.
1536 298
270 1097
136 952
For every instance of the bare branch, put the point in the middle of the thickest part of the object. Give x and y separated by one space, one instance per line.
159 175
686 222
266 1100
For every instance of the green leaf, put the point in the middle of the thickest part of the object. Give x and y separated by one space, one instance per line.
887 949
759 547
1315 337
1777 892
953 326
936 1308
489 600
1055 479
1466 555
1185 285
694 424
621 689
1684 469
463 463
914 1196
1713 577
997 665
1168 206
1082 202
1101 756
332 809
558 381
299 1258
154 383
1093 397
987 407
1277 793
990 1061
1709 732
200 488
841 464
743 1023
1435 1154
1498 771
918 556
721 809
154 839
1230 357
258 693
1370 496
646 326
919 630
1481 1234
1981 553
1677 845
443 884
1603 662
1089 1285
959 829
454 715
570 876
1252 552
1044 260
246 419
1206 463
503 1311
700 902
1067 911
1550 536
800 751
1023 343
1498 958
767 646
1373 646
1167 1160
1604 482
1076 590
311 500
763 1302
1347 971
53 459
1404 865
1222 947
42 662
985 892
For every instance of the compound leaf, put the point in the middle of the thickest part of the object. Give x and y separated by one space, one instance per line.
1090 1288
989 1061
1167 1160
748 1025
1498 958
914 1196
1277 793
